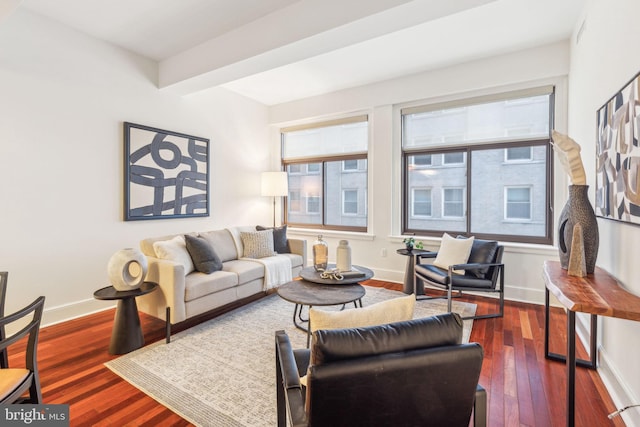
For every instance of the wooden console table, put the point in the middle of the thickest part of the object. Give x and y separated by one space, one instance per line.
596 294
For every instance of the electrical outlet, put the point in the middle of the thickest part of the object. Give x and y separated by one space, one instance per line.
383 252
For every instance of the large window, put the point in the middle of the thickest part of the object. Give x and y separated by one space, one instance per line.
486 163
327 167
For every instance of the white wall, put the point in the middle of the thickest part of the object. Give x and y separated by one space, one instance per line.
603 60
63 98
382 101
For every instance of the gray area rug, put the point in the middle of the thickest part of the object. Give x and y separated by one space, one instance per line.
222 372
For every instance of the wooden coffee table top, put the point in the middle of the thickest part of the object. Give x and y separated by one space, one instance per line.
312 294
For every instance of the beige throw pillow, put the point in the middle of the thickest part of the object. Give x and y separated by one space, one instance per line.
453 251
393 310
174 250
258 244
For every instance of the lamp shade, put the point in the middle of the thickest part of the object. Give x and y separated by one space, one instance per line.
274 184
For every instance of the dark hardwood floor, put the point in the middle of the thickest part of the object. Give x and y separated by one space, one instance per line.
524 388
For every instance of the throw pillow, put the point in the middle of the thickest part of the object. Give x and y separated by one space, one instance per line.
280 243
203 255
393 310
174 250
257 244
453 251
482 252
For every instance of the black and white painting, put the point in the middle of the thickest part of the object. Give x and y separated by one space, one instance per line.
618 155
166 174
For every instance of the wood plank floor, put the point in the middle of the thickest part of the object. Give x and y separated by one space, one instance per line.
524 388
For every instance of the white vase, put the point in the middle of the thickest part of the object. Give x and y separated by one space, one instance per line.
127 269
343 256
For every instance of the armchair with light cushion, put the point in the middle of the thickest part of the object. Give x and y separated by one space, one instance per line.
464 265
408 373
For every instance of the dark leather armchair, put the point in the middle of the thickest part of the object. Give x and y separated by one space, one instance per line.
411 373
483 272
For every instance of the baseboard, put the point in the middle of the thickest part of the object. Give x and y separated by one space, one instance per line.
65 312
619 392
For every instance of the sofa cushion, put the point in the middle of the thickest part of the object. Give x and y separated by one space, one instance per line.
222 242
257 244
246 270
204 257
198 284
280 243
296 260
453 251
174 250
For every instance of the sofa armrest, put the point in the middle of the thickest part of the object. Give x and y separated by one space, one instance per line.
170 278
299 247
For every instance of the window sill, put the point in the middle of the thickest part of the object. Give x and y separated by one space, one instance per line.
331 233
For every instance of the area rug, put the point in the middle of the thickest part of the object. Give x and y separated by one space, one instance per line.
222 372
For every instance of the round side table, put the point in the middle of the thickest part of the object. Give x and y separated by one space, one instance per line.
411 262
126 335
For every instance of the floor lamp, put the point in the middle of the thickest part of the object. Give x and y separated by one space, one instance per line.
275 184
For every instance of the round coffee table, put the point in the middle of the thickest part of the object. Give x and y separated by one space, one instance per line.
315 290
303 292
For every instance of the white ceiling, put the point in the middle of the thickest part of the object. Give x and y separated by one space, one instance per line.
277 51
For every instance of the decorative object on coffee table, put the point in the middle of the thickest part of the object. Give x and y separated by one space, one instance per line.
578 209
320 254
343 256
127 269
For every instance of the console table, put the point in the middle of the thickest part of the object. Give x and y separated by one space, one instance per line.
596 294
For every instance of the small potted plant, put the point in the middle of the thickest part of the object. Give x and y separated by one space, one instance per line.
410 243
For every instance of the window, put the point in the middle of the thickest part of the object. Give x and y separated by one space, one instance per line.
313 204
350 165
350 202
517 203
453 158
518 154
421 206
453 202
332 160
422 160
294 201
489 168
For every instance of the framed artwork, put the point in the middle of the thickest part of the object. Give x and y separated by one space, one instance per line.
618 156
166 174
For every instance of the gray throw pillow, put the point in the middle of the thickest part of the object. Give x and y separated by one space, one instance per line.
280 243
203 255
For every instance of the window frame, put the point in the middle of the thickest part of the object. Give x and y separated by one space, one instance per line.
538 140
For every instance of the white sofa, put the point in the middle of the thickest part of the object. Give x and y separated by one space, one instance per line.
182 296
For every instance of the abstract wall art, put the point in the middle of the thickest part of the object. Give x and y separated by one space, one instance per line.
618 155
166 174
